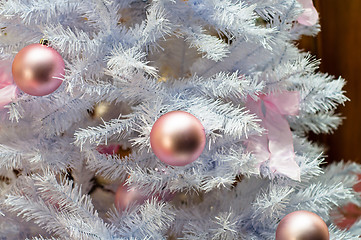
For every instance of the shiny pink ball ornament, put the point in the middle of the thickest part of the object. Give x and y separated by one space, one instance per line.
302 225
177 138
38 69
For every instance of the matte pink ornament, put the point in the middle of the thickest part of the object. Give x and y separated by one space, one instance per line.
302 225
177 138
38 70
8 89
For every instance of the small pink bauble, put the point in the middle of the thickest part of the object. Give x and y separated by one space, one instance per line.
177 138
38 70
50 200
110 149
302 225
126 196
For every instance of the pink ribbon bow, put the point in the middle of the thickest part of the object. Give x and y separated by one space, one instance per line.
8 89
276 145
309 17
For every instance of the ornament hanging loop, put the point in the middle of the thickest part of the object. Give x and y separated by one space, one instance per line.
44 42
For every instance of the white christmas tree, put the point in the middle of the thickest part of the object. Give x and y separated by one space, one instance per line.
232 64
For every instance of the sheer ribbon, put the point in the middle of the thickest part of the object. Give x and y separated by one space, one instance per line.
276 144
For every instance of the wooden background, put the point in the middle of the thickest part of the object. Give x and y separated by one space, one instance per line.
339 47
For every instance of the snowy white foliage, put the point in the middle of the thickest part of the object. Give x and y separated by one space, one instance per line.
146 58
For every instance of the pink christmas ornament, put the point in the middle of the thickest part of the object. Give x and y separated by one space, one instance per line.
126 196
309 17
177 138
108 149
301 225
8 89
50 200
276 145
38 69
349 214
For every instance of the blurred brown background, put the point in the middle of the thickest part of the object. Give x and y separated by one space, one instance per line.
339 47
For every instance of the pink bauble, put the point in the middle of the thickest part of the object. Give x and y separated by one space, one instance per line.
126 196
302 225
38 69
50 200
110 149
177 138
